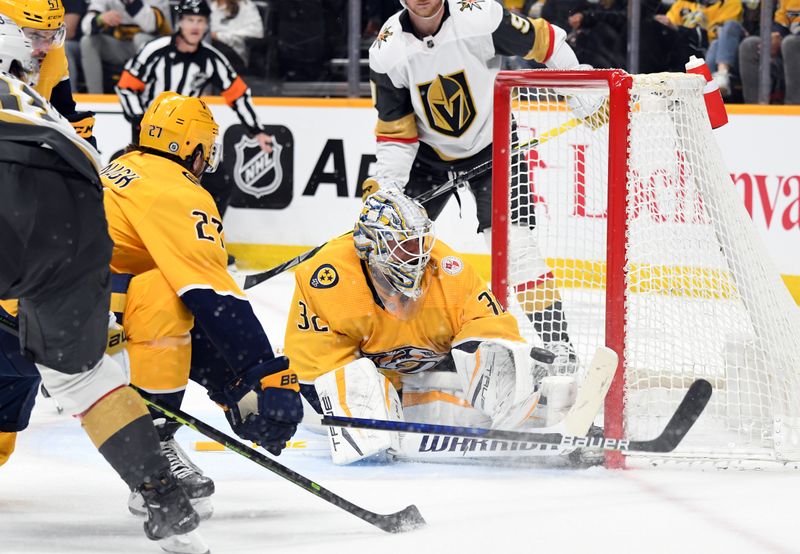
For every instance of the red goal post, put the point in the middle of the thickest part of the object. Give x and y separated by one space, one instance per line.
651 253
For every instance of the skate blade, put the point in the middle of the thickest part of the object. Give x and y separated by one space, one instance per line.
203 507
189 543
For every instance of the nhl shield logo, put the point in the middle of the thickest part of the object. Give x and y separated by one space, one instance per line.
255 172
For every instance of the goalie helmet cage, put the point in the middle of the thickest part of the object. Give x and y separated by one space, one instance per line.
652 253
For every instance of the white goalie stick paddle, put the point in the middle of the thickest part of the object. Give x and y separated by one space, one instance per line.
681 422
591 394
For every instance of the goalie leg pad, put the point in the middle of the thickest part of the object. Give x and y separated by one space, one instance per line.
438 397
559 392
498 378
358 390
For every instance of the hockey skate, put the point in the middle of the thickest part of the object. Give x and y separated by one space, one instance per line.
171 520
197 486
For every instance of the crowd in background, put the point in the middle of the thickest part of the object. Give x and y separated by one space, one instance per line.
278 41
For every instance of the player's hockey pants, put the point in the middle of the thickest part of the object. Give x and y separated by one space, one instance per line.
54 256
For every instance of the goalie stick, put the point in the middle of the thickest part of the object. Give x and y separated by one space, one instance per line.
406 519
256 278
690 408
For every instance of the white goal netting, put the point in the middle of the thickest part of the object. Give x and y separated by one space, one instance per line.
701 297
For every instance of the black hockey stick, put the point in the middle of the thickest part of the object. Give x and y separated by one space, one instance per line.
690 408
462 179
406 519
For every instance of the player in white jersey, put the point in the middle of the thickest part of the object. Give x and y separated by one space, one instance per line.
55 259
432 70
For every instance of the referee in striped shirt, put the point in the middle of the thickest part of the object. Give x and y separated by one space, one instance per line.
184 64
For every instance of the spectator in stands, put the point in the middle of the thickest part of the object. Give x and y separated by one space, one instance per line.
232 22
785 51
694 25
598 34
113 30
376 12
74 10
723 55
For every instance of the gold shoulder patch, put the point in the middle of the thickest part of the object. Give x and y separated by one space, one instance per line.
324 277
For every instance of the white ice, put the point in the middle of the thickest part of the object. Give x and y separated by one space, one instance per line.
57 495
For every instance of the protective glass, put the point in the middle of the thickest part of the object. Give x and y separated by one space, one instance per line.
45 39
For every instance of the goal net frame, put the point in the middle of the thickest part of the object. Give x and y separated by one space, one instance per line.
618 86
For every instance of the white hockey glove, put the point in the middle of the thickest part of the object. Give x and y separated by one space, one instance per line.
591 109
358 389
499 379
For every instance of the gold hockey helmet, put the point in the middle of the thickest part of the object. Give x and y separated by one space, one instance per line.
42 21
177 125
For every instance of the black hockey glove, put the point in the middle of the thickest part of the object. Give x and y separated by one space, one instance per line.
263 405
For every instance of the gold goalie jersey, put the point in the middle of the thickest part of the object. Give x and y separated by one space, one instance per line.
335 317
159 216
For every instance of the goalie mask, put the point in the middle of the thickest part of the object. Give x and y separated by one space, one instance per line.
395 237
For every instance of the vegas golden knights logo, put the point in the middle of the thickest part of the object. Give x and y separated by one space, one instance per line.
449 107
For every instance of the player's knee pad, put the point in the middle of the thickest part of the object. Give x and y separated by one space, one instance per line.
77 392
157 325
358 390
438 397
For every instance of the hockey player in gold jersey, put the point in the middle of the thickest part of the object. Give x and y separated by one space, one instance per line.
43 22
391 307
175 299
432 69
54 259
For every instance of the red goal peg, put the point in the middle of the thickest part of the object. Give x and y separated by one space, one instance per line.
715 106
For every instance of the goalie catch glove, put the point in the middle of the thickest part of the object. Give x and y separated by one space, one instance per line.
263 405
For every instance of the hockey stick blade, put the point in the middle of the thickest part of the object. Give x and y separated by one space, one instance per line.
690 408
406 519
681 422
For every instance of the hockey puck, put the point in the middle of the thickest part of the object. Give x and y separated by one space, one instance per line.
542 355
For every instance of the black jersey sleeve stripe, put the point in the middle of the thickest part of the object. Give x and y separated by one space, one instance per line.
520 36
392 103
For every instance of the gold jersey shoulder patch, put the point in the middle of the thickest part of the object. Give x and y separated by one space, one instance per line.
452 265
324 277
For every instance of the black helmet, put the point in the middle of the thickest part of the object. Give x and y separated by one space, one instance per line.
192 7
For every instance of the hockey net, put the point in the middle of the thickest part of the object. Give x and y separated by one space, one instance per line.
651 252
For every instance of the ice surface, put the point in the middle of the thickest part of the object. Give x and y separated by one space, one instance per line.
57 495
